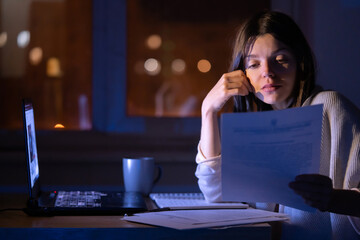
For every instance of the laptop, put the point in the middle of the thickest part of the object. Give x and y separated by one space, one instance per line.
42 203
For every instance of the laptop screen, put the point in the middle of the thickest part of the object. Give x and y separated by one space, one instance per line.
32 157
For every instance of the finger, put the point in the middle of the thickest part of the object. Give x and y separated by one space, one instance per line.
310 187
233 74
238 77
243 83
238 91
240 85
312 181
231 85
314 196
237 88
316 178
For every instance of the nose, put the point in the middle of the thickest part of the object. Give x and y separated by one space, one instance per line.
267 71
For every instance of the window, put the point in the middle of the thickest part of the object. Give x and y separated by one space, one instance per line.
91 51
117 66
124 48
45 54
176 52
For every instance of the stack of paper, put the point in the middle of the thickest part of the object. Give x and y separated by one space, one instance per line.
190 219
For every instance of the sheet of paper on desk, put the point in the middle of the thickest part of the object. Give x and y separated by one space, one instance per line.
263 151
190 219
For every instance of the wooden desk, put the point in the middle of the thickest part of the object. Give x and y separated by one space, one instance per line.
17 225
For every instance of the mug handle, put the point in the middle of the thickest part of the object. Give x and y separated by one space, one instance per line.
159 168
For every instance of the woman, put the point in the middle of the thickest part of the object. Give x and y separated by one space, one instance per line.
273 68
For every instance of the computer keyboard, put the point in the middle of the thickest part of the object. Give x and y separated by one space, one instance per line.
190 201
75 199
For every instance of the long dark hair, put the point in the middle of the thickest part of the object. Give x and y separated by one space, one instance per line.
284 29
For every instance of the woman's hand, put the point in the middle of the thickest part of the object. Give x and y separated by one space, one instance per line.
230 84
315 189
318 192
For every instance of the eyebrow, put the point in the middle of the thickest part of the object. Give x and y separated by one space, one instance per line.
276 51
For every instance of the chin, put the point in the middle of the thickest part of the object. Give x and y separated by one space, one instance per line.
270 100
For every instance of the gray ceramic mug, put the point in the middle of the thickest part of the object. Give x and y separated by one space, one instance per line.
139 174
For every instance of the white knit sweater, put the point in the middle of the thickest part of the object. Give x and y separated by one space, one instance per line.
340 160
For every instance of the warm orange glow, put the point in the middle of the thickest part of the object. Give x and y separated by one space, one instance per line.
204 65
35 55
53 68
3 39
154 41
178 66
59 125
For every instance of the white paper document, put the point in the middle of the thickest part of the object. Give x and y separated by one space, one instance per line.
190 219
263 151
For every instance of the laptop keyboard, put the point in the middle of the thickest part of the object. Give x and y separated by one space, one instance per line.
77 199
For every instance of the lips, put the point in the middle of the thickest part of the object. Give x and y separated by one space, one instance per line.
270 87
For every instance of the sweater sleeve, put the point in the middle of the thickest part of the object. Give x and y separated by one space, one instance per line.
208 172
343 127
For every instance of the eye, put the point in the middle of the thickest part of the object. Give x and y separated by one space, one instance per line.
252 65
282 60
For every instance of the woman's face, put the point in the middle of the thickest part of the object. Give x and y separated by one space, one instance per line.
271 69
